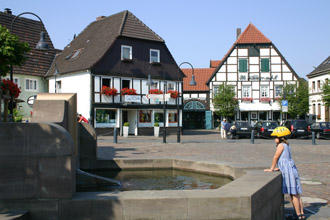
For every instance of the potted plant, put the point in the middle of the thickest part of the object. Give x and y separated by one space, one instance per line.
174 94
126 128
156 129
108 91
155 91
127 91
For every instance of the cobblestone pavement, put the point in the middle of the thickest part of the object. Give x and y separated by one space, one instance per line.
313 161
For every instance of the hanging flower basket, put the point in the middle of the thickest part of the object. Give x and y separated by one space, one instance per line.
174 94
8 85
127 91
108 91
265 99
247 99
155 91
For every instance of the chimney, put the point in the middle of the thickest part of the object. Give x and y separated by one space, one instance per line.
7 11
100 18
238 32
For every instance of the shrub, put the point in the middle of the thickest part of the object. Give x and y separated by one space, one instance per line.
156 124
126 124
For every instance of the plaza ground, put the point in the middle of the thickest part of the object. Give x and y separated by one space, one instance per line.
312 161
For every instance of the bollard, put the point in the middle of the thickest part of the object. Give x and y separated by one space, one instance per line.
313 138
115 135
252 136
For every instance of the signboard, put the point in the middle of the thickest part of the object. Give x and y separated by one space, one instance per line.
132 98
159 97
285 105
31 99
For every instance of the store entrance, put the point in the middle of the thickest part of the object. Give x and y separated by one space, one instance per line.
194 120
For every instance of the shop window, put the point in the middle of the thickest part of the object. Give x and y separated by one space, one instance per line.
172 117
244 116
105 117
263 116
276 116
158 117
145 116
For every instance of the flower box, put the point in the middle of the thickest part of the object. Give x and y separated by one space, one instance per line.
265 99
155 91
174 94
247 99
127 91
108 91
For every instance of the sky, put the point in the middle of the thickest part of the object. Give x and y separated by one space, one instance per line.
198 31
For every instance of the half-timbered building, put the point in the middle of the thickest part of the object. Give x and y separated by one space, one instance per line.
109 65
257 71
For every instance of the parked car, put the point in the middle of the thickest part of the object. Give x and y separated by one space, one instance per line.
298 128
265 128
321 129
240 129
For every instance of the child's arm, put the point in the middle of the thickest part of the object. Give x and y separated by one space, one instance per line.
277 155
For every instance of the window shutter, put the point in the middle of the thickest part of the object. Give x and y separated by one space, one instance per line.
264 65
243 65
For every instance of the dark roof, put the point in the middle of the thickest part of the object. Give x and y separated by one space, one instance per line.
28 30
97 38
201 77
324 66
254 36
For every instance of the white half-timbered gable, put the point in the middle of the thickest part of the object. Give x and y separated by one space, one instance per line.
257 71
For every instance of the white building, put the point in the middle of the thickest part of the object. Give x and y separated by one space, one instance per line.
316 79
120 52
257 71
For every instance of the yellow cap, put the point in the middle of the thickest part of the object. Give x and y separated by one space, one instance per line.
281 132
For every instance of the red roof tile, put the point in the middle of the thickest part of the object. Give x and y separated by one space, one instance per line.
214 63
252 35
201 76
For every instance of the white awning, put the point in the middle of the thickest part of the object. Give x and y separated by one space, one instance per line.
245 106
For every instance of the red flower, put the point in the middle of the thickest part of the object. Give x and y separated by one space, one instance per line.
127 91
108 91
265 99
247 99
8 85
155 91
174 94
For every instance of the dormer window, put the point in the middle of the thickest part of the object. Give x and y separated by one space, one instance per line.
154 56
126 52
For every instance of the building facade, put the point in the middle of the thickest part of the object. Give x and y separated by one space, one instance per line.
110 66
257 71
29 77
316 80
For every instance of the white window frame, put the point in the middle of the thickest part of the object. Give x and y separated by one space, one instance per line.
57 83
281 88
244 90
36 89
158 57
18 82
122 52
262 91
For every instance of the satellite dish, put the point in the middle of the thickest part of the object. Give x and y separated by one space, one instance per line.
31 99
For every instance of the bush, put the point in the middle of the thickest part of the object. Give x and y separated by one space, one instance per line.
156 124
126 124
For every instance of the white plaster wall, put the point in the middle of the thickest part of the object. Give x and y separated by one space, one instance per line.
232 68
221 76
287 76
232 60
232 76
264 51
242 52
273 52
276 68
222 69
254 68
276 60
136 86
254 60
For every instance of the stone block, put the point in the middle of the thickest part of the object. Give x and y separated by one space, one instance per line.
87 142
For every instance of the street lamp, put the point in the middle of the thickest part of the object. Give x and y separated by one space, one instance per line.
41 45
191 83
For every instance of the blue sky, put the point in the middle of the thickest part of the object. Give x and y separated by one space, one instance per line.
197 31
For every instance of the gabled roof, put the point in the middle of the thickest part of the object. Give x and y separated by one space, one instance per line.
323 67
214 63
251 35
96 39
201 77
28 30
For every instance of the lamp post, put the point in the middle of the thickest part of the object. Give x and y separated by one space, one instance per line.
41 45
191 83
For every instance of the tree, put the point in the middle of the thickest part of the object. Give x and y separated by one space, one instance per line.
12 53
326 93
225 102
297 96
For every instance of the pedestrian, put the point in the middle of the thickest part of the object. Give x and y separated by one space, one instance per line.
290 182
223 129
82 119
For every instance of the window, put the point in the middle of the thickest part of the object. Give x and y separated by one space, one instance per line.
31 85
170 86
125 83
105 117
172 118
126 52
154 85
215 90
242 65
314 109
264 65
145 116
313 85
16 81
254 52
58 86
158 117
278 91
246 91
106 82
319 109
264 91
318 84
154 56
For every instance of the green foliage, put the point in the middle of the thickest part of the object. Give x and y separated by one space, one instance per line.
224 101
326 94
298 103
126 124
156 124
17 115
12 51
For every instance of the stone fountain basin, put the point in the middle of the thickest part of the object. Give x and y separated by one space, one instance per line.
252 195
